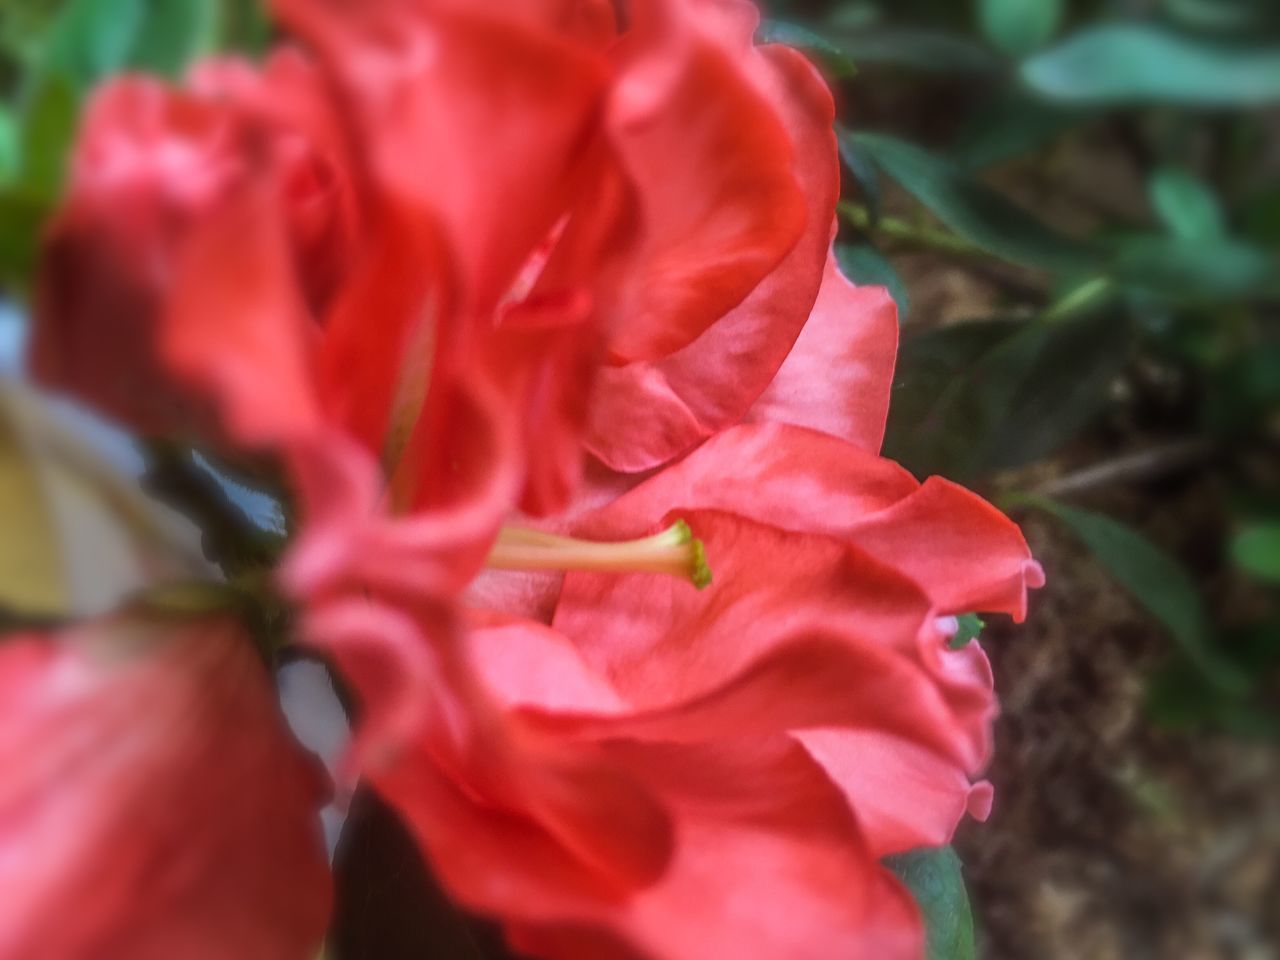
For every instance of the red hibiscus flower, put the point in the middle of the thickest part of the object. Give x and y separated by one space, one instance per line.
425 260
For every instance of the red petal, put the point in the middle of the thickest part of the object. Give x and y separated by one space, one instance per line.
962 550
726 214
838 375
154 804
236 325
768 864
646 413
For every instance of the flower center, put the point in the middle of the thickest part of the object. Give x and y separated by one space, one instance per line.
674 551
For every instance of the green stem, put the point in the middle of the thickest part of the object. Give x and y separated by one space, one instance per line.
1079 298
917 234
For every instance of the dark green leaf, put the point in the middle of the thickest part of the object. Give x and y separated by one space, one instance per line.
172 34
1206 269
1131 64
1008 126
975 396
1256 549
973 210
1186 204
20 219
934 877
795 35
865 173
1019 26
925 50
865 265
971 626
48 126
937 412
1156 581
1260 216
1245 391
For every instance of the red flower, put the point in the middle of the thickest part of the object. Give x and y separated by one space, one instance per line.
153 803
461 241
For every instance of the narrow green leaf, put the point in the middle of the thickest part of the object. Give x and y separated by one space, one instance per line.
973 210
1186 204
865 173
929 51
1133 64
1156 581
1256 549
1019 26
795 35
865 265
934 877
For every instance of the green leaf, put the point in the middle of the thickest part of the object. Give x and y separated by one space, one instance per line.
92 38
1156 581
79 535
10 146
865 265
1186 204
1010 125
928 51
173 33
973 210
795 35
1256 550
1135 64
970 397
48 127
865 173
971 627
934 877
1207 269
1227 16
1019 26
20 218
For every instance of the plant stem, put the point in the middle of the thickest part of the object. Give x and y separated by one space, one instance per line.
918 234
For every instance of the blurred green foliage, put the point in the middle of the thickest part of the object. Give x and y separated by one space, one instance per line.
1134 340
51 56
1136 332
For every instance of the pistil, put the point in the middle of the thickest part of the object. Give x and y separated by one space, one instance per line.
675 551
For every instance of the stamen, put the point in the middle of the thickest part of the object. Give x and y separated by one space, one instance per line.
674 551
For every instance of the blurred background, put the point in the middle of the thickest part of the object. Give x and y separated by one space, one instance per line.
1077 207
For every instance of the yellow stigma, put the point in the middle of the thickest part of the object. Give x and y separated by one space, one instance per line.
674 551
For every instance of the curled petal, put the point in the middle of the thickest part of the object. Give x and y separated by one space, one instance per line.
724 216
962 550
647 412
